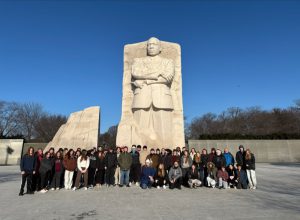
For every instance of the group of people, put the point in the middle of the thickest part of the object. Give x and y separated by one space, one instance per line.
73 169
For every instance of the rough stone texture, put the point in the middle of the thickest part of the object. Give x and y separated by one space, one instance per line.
128 126
81 130
264 150
277 198
10 151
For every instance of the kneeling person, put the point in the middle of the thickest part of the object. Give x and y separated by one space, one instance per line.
147 177
175 176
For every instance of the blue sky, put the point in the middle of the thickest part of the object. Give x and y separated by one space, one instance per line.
68 55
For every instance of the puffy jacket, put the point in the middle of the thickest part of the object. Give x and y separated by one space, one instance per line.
228 158
223 174
240 158
135 158
219 161
175 173
70 164
146 172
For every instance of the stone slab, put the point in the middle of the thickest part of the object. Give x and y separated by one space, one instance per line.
10 151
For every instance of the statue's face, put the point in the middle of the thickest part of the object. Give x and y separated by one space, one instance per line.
153 47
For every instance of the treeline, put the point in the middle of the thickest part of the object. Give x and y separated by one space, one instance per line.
250 123
28 121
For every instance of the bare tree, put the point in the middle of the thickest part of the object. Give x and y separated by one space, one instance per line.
8 118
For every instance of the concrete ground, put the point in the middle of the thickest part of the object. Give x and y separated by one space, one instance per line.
277 197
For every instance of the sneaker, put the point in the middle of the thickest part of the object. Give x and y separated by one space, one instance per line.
43 191
137 184
91 187
164 187
21 194
129 184
213 187
57 188
74 188
52 189
254 187
158 187
85 188
120 185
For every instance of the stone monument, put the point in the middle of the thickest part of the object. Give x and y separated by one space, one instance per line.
81 130
152 112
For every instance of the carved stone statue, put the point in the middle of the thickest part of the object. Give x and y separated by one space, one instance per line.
152 111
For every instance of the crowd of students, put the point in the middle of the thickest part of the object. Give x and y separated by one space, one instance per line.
165 168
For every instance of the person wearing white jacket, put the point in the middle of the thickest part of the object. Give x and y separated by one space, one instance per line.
83 163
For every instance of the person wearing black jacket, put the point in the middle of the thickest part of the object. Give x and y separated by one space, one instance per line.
100 169
240 157
110 166
28 166
45 172
92 168
193 177
203 168
219 159
135 168
250 169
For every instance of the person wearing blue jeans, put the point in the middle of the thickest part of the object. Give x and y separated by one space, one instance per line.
125 161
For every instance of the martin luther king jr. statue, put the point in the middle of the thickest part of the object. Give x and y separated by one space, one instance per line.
152 111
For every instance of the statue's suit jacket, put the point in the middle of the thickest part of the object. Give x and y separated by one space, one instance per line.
157 94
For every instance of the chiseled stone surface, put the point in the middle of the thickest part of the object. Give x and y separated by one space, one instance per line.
81 130
152 111
277 198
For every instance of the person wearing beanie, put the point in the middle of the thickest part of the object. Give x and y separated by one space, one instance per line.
147 176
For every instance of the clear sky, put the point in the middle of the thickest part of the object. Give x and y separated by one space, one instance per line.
68 55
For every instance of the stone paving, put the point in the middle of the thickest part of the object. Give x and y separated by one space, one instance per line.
277 197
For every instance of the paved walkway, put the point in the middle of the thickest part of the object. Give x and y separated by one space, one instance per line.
277 197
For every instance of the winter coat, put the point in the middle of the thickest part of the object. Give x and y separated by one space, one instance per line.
70 164
28 163
155 160
135 158
146 172
175 173
93 161
211 172
125 161
46 165
167 161
229 159
58 166
143 156
219 161
250 164
186 164
100 163
223 174
111 160
193 174
204 160
240 158
241 177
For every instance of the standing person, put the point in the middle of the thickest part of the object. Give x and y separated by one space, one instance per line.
58 171
240 157
250 168
154 158
186 163
117 171
175 176
212 155
100 169
45 172
219 159
211 175
36 180
147 176
110 166
223 178
125 161
192 153
229 159
143 155
241 178
193 177
203 167
160 179
135 169
27 165
70 164
92 168
83 163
